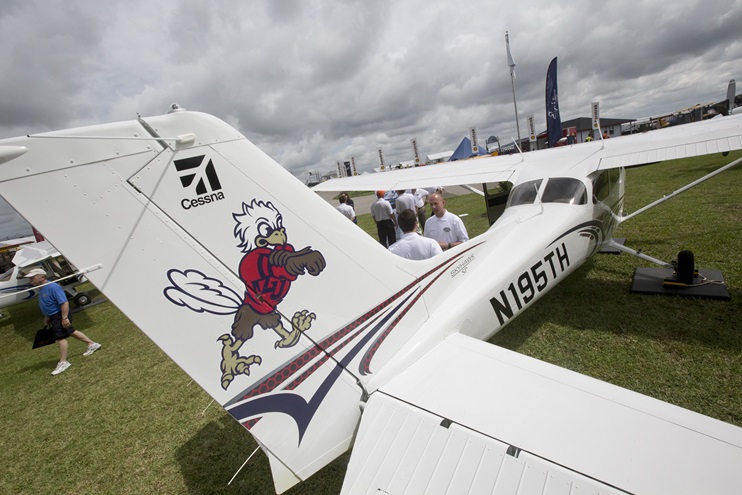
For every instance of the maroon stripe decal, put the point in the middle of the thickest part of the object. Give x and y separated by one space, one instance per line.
365 367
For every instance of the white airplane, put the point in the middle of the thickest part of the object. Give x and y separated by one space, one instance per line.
236 269
15 287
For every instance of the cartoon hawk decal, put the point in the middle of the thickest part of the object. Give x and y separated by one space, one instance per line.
268 268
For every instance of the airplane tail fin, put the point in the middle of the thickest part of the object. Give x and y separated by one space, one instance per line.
726 106
238 271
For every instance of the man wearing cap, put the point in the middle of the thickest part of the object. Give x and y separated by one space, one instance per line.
56 310
386 222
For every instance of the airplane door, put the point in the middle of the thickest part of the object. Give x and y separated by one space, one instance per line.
496 198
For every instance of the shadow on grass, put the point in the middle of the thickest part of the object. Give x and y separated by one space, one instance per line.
48 364
214 454
209 459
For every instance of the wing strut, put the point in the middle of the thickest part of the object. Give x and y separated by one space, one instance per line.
682 189
615 245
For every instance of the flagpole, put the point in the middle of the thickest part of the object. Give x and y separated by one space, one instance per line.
511 63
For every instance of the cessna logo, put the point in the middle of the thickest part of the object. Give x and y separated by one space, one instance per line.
201 172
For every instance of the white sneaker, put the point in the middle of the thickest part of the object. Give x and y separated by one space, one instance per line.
92 348
61 366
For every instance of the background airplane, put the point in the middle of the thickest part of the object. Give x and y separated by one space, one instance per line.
16 288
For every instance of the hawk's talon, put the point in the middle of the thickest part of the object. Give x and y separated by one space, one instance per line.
232 363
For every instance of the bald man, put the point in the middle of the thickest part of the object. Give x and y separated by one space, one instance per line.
444 226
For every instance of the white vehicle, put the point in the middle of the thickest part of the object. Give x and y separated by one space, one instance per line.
228 263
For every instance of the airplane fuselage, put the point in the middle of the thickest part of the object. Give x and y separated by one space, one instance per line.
532 247
15 289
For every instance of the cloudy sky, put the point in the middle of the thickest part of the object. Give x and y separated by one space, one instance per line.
312 82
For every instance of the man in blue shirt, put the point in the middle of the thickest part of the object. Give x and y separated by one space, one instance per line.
56 309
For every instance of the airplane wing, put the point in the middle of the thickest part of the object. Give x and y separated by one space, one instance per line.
475 171
710 136
719 135
471 417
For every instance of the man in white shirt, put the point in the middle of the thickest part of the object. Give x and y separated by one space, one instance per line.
405 201
412 245
345 208
386 222
443 226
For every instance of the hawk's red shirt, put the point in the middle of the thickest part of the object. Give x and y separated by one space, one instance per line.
271 283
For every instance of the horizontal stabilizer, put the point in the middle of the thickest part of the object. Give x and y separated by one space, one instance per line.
406 450
470 414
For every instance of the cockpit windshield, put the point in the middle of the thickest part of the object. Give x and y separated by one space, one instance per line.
524 194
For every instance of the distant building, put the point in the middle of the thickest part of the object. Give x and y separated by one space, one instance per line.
584 126
581 128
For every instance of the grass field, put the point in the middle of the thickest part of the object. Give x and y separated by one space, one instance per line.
126 420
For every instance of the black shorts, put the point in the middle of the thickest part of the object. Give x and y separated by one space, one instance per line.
60 333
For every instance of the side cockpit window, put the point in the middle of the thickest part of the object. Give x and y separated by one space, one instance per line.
605 184
565 190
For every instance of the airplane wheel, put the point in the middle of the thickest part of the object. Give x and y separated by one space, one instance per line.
82 299
686 267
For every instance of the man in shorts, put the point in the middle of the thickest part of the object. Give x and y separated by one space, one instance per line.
56 310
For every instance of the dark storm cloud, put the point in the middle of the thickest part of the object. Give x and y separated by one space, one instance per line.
50 53
312 82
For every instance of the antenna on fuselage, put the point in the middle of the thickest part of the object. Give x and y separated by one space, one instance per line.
522 156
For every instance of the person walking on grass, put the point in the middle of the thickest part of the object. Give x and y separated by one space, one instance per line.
56 310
